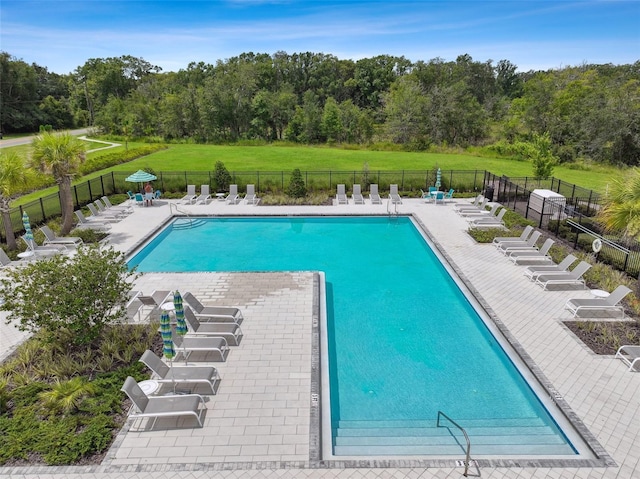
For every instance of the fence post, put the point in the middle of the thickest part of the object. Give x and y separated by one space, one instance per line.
42 208
113 183
258 180
282 181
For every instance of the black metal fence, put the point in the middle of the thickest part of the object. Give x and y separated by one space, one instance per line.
568 218
408 181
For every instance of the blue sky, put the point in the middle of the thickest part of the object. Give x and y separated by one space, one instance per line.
63 34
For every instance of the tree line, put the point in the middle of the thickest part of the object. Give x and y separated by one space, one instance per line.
588 111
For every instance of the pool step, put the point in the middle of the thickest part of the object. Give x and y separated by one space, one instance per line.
187 223
517 436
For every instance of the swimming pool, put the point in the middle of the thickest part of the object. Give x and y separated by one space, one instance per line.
403 341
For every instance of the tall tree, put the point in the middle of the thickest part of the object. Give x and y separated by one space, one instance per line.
60 154
13 177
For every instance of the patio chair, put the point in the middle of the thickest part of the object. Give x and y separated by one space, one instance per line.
507 246
250 197
103 216
358 199
394 196
475 207
139 199
157 195
181 374
125 208
449 195
105 210
6 261
204 344
341 196
162 406
466 204
92 223
532 272
374 196
523 236
229 331
541 255
51 238
630 355
213 313
232 197
608 304
573 277
480 212
48 250
205 195
191 196
438 197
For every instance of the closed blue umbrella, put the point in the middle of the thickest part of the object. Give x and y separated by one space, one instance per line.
28 234
438 178
167 341
181 324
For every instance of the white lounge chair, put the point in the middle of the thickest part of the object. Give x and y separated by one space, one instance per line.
189 344
630 355
358 199
48 250
229 331
394 196
573 277
181 374
102 209
6 261
213 313
488 221
205 195
466 204
121 207
51 238
473 208
541 255
341 195
162 406
90 222
250 198
232 197
523 236
191 196
532 272
470 214
608 304
508 246
103 216
374 196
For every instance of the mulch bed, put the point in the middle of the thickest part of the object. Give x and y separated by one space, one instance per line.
604 337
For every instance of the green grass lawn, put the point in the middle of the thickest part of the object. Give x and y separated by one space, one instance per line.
286 158
322 158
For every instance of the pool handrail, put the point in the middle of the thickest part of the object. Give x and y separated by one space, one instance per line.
466 438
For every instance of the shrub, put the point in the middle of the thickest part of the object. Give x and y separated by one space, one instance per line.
112 159
221 177
296 188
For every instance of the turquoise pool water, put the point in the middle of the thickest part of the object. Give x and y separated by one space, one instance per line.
404 342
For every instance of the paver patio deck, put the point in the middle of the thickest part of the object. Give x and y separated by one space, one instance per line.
258 423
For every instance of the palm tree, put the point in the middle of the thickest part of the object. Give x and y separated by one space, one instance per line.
13 177
621 209
61 156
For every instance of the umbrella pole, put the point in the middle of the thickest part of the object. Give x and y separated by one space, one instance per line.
173 378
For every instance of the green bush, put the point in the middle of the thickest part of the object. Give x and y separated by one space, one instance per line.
296 188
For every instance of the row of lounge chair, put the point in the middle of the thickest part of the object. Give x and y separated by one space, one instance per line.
478 216
211 328
232 198
549 273
374 195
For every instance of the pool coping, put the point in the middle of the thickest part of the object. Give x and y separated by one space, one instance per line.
314 462
602 459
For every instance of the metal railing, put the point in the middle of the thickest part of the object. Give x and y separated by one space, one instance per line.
467 459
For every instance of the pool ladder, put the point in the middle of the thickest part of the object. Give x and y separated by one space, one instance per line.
392 208
181 212
467 459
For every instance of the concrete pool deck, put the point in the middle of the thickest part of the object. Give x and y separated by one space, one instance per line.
258 423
